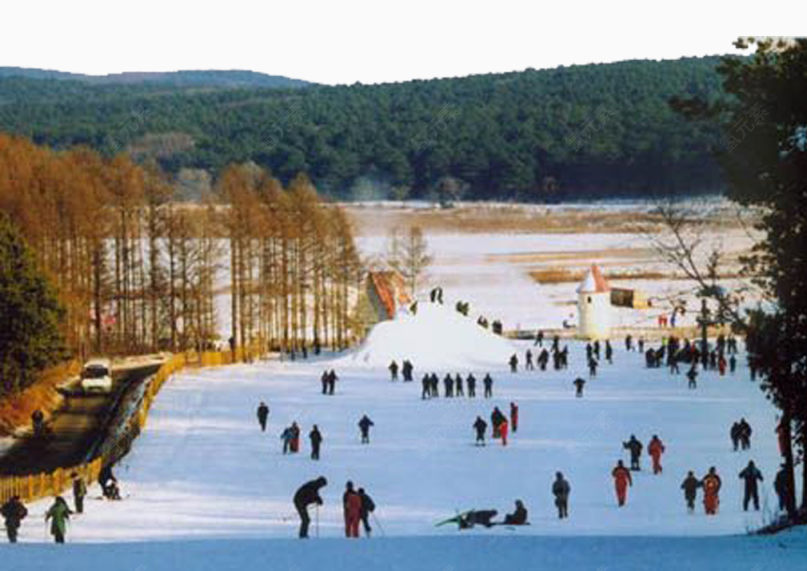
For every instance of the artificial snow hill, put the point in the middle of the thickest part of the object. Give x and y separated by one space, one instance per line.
434 337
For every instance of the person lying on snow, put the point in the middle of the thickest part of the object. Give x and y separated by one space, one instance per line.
477 517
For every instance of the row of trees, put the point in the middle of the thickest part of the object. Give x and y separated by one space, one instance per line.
137 272
572 132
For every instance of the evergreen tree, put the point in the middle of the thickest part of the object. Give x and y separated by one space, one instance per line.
30 314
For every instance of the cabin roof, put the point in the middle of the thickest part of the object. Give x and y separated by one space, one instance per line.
594 282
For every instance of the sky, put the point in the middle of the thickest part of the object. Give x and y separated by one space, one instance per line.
348 41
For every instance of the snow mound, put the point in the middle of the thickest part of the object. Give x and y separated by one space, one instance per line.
436 338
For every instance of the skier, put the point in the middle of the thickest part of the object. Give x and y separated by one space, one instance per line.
732 364
711 484
294 444
306 495
13 512
364 425
745 434
578 385
561 490
488 382
539 338
471 382
597 349
393 371
622 480
79 492
286 437
514 416
480 426
434 381
641 344
324 379
629 342
734 433
351 505
721 364
528 366
58 513
609 352
407 369
782 485
316 439
656 449
518 517
426 391
750 474
635 448
496 418
592 367
690 486
458 386
367 507
332 378
263 414
448 385
471 518
503 431
513 363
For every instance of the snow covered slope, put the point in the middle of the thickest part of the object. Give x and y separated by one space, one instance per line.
436 336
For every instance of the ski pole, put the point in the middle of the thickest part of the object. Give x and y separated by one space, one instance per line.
378 523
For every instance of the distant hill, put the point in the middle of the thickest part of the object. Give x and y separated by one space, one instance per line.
189 78
589 131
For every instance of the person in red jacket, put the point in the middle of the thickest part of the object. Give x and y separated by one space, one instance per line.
711 484
514 416
721 365
503 431
656 449
622 480
351 504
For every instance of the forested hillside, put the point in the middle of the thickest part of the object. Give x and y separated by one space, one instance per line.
583 131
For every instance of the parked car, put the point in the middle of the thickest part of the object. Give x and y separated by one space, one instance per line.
96 376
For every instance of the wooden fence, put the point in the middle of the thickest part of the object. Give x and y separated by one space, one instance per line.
37 486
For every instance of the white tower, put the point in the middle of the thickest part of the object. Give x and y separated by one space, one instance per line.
594 306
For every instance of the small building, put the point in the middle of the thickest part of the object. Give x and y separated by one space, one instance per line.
387 294
631 298
594 306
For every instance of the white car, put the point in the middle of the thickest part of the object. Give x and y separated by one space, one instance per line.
96 376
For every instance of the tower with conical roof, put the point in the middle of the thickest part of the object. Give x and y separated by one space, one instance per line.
594 306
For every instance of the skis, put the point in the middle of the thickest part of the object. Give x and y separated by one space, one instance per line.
456 519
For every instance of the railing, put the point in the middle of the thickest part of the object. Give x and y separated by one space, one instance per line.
37 486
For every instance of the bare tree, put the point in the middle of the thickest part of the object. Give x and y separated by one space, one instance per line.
408 254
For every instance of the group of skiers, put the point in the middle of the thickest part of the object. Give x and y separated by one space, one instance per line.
291 436
357 506
711 485
500 426
452 386
406 369
560 359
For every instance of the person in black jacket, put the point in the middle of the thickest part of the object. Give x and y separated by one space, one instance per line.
367 507
13 512
518 517
263 415
782 485
488 383
316 439
561 490
480 426
306 495
426 384
690 486
471 383
751 475
635 448
364 425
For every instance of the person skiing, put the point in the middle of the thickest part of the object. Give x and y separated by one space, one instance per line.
480 426
503 428
407 369
734 433
59 514
458 386
393 371
294 444
306 495
528 366
656 448
592 367
364 425
539 338
751 475
711 484
351 505
426 388
721 364
609 352
286 437
622 480
367 507
518 517
332 378
561 490
744 434
470 381
690 486
13 512
692 376
781 486
514 416
513 363
488 382
578 386
263 415
316 439
635 448
448 385
629 342
732 364
496 418
79 492
324 379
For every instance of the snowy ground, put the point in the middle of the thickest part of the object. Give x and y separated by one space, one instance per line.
202 469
